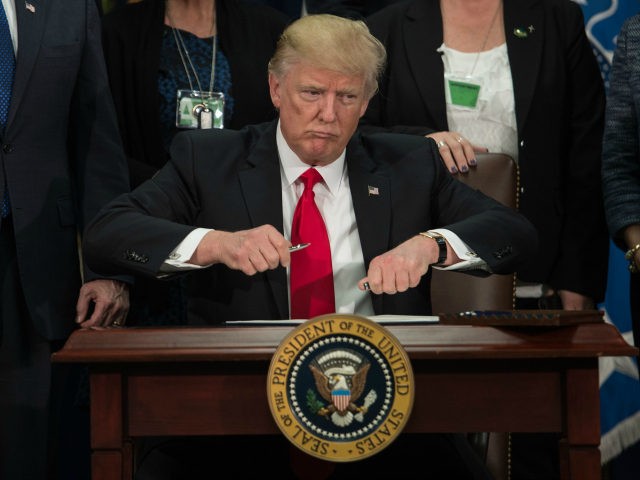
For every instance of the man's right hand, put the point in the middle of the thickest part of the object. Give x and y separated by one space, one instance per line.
251 251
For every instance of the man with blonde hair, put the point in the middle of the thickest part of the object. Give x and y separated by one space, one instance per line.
226 205
320 40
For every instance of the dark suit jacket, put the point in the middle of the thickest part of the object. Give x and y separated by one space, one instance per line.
132 38
238 187
61 154
559 102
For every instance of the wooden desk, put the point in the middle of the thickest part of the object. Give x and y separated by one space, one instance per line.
176 381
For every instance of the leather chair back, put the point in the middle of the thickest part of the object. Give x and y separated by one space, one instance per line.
495 175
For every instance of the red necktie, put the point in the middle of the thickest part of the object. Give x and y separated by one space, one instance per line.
311 275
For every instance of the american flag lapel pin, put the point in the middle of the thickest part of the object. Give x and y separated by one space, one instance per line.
30 7
373 190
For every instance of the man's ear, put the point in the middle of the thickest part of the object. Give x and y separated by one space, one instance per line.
363 108
274 90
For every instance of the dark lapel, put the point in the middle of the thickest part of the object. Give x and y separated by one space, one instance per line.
30 30
422 30
260 183
371 195
524 52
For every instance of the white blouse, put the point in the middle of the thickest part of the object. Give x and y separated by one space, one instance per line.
492 123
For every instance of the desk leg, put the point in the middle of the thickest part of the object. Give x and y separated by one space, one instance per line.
579 453
111 457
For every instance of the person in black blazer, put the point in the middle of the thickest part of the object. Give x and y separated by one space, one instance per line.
132 40
222 207
559 114
554 116
61 160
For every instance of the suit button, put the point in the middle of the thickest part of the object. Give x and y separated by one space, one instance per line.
7 148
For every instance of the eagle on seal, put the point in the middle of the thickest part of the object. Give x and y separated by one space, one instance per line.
341 387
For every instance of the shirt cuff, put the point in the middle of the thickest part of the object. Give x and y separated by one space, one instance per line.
177 260
469 259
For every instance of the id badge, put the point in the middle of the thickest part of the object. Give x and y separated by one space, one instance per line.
197 109
463 92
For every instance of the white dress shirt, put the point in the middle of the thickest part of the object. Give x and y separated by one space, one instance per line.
333 198
10 12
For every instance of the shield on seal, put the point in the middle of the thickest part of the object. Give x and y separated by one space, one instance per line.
341 398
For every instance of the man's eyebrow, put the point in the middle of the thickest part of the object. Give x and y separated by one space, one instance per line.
308 84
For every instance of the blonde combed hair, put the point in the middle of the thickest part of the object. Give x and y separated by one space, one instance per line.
334 43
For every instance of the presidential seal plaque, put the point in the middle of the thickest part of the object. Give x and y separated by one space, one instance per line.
340 387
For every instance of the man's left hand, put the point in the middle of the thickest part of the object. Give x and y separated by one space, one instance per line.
110 300
398 269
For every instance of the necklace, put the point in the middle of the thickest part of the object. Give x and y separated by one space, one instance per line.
486 38
183 48
184 53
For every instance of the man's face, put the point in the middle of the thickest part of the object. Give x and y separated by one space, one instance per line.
319 110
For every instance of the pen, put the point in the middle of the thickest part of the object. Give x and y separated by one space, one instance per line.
300 246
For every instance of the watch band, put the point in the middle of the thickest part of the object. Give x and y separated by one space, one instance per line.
442 247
